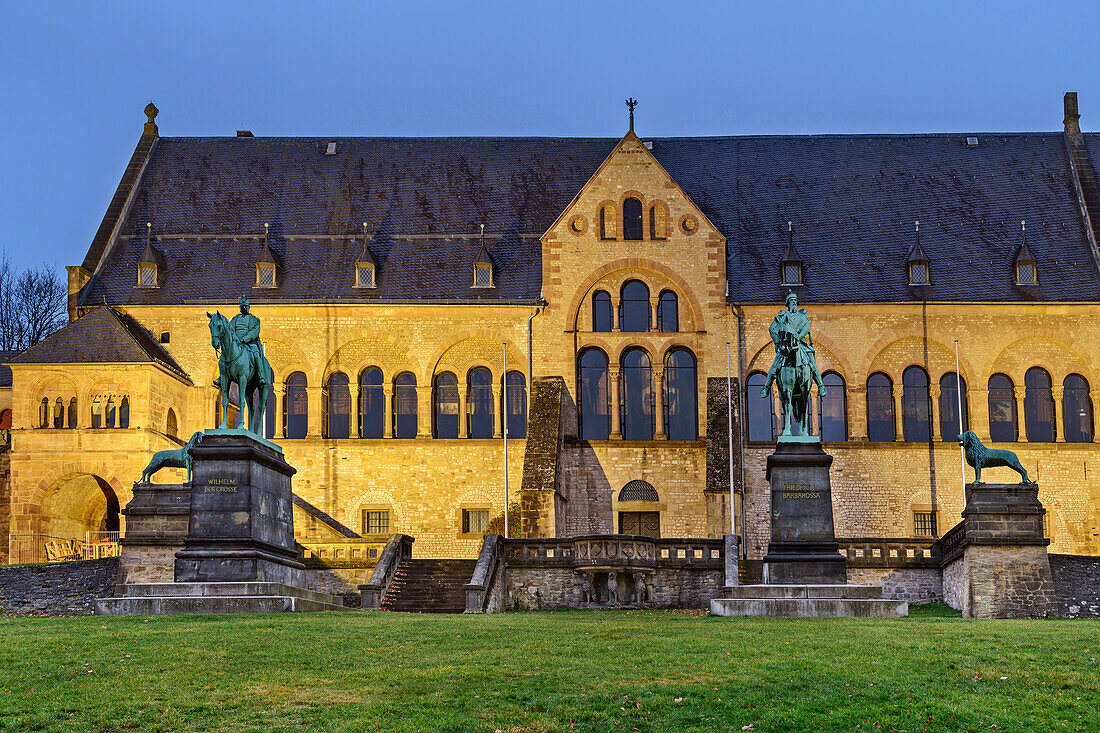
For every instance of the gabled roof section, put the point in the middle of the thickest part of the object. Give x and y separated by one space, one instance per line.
267 255
151 256
103 336
1024 254
5 370
365 256
916 252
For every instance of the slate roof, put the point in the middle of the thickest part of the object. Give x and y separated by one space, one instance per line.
103 336
853 200
5 370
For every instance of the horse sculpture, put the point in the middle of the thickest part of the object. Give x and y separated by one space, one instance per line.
235 366
795 378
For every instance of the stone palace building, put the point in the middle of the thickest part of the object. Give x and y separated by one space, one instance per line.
594 296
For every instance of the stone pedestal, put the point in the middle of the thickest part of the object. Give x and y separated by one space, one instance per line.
241 526
803 547
156 526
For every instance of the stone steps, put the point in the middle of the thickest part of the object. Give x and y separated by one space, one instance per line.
429 586
243 597
807 601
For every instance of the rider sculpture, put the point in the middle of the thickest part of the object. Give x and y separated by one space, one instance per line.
795 365
241 360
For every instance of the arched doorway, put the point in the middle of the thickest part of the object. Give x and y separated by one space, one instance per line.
79 519
639 509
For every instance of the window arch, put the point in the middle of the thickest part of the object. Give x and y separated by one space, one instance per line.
1002 409
515 405
372 407
336 404
445 405
1038 406
1076 410
296 407
658 222
916 405
404 406
880 408
595 395
44 413
634 307
636 395
58 414
171 427
632 219
479 403
124 413
601 311
73 414
607 222
97 414
833 408
951 389
681 416
759 410
668 317
112 413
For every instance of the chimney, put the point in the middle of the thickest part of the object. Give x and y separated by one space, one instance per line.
1072 119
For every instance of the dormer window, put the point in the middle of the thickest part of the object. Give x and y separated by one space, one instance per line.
150 264
365 266
483 265
790 267
917 262
1027 273
267 266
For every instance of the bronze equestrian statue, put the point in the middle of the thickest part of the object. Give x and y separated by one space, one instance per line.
794 368
241 361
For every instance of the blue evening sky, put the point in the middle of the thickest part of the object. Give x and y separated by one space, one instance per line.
75 76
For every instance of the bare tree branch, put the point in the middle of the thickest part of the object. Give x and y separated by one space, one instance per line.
32 304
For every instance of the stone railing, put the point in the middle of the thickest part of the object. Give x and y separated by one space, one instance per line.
616 551
888 552
345 553
397 550
485 591
951 545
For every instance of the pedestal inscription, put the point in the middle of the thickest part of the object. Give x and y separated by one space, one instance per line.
803 547
241 526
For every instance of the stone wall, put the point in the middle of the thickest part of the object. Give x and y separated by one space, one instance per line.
1001 582
1077 582
57 589
550 588
916 585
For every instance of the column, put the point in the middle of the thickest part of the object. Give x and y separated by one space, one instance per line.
653 314
316 412
463 415
615 314
934 412
423 411
897 395
497 430
1059 427
616 427
353 419
387 410
1095 395
659 405
1021 422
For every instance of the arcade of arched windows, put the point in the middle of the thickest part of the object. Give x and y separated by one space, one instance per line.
1036 408
631 306
105 411
633 219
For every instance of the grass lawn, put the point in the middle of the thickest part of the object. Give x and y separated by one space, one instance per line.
584 671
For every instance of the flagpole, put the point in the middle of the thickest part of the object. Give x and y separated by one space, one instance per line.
729 431
504 422
959 397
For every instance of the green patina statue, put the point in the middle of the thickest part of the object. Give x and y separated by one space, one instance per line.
241 361
979 457
794 368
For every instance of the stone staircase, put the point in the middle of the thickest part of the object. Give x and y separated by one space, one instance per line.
243 597
807 601
429 586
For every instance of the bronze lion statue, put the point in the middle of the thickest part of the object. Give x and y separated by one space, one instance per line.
978 456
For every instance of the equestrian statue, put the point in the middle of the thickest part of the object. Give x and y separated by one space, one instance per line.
241 361
794 368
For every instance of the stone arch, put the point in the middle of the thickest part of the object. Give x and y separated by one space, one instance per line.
386 353
630 266
75 497
871 355
56 385
1016 357
616 356
467 347
897 356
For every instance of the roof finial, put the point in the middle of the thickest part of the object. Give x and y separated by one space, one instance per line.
148 232
1023 225
482 232
916 224
151 125
631 102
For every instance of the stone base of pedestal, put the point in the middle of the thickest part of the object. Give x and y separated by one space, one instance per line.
807 601
146 599
803 547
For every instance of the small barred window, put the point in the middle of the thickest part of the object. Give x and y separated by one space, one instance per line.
483 276
475 521
364 275
924 524
792 274
1025 273
918 273
376 522
265 275
147 275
